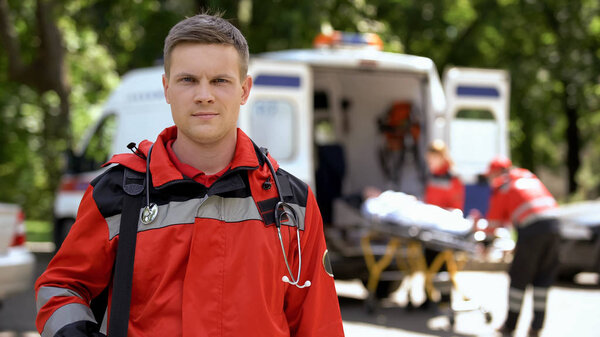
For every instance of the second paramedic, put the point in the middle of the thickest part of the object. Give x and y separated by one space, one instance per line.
443 189
521 199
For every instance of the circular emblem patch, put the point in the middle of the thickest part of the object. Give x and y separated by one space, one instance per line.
327 264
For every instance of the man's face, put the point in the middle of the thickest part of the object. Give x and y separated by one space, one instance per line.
205 91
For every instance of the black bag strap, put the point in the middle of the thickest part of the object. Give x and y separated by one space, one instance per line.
133 185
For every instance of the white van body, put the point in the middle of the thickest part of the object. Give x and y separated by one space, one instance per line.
296 92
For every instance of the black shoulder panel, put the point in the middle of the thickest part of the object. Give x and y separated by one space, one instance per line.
108 191
293 189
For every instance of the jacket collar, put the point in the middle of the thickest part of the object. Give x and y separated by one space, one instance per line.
164 171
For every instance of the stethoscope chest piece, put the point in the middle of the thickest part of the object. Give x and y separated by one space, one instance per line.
149 213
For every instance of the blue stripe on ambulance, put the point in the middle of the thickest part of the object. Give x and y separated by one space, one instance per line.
277 81
477 91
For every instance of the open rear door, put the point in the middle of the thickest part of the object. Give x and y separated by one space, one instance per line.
278 114
477 115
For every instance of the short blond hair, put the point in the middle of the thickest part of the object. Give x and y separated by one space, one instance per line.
437 146
205 28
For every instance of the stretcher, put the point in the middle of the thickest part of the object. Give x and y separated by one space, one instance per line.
406 227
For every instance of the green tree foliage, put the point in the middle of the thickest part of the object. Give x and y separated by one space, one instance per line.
550 47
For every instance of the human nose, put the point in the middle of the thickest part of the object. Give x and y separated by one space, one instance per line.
203 93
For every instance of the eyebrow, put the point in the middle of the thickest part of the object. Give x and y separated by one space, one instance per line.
223 75
184 74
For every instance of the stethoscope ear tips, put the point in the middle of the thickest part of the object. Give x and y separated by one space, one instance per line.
286 279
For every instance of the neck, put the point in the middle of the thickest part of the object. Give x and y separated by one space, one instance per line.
208 158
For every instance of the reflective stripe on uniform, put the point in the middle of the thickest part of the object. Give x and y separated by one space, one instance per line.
540 296
529 205
66 315
515 299
215 207
46 293
442 182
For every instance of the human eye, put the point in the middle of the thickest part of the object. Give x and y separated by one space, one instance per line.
220 81
187 79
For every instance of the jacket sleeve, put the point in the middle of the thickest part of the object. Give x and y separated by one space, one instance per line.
313 311
79 271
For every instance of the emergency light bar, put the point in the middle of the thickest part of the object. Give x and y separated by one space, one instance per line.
337 39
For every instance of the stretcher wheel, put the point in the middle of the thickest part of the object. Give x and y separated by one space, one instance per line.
451 320
488 317
371 304
384 288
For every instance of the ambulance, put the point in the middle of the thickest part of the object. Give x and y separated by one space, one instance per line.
342 116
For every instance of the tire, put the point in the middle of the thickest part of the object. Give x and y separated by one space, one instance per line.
567 275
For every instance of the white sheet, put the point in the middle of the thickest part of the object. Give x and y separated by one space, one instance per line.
405 209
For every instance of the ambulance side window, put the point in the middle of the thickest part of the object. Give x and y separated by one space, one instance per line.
475 114
272 123
469 124
99 147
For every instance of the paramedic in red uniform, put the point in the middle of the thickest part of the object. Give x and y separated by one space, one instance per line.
519 198
443 189
211 263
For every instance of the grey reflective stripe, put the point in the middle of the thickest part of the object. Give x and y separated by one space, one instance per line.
214 207
44 294
238 210
229 209
515 299
173 213
516 293
539 298
65 315
540 291
539 202
440 182
301 213
104 325
528 220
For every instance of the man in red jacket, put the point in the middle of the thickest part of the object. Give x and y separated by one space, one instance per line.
519 198
210 262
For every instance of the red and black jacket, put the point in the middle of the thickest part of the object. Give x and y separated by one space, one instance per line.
209 265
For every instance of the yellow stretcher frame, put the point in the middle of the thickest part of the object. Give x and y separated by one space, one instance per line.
415 262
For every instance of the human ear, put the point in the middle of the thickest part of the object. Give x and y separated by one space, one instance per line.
246 86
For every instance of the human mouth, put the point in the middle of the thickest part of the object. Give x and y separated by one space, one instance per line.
204 115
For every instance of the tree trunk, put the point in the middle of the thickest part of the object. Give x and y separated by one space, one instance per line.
573 142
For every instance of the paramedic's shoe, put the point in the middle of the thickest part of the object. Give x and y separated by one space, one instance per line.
534 333
505 332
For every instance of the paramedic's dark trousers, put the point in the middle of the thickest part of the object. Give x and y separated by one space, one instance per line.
535 262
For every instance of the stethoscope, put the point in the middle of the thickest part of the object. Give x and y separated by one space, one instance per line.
283 212
283 209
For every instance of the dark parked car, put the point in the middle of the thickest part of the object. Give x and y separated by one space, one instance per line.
580 232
